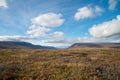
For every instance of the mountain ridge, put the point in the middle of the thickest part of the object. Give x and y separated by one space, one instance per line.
21 45
95 45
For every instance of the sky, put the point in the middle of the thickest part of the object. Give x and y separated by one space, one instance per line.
60 23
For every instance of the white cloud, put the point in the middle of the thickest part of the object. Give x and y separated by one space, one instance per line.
108 29
70 41
57 45
15 38
66 42
37 31
113 4
43 25
40 28
87 12
56 34
3 3
48 20
98 9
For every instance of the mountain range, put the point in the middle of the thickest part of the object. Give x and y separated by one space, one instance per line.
26 45
95 45
21 45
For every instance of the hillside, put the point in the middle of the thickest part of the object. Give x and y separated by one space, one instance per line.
96 45
21 45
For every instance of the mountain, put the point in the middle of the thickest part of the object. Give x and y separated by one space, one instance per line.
21 45
95 45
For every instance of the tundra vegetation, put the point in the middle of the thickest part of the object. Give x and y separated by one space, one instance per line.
67 64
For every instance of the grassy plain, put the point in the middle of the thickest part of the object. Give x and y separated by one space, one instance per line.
68 64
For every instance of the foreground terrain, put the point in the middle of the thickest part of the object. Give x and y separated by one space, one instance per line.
69 64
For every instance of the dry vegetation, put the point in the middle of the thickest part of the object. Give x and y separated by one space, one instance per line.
69 64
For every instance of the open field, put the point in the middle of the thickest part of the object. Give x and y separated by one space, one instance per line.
69 64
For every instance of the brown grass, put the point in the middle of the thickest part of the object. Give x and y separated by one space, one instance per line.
69 64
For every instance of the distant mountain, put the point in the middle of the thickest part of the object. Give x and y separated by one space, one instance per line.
21 45
96 45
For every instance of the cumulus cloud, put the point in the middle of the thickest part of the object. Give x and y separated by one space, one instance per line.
48 20
87 12
3 3
70 41
15 38
66 42
113 4
43 25
108 29
37 31
57 45
40 28
56 34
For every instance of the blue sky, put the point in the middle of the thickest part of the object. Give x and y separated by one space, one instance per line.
60 23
